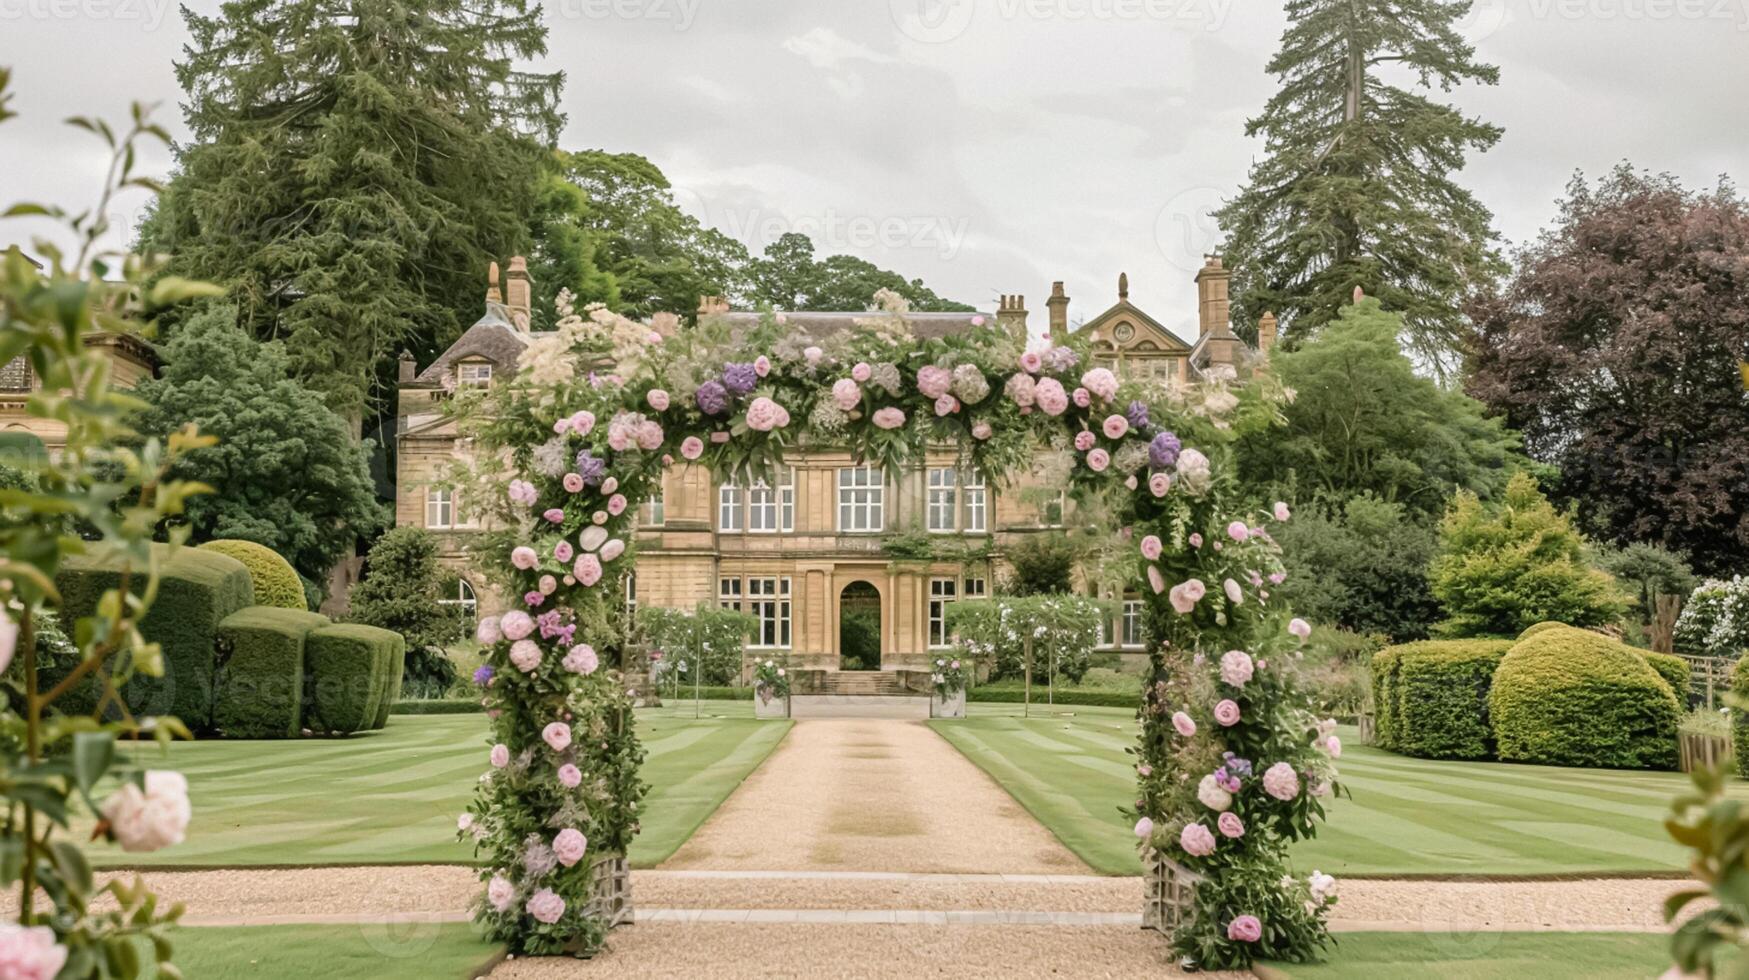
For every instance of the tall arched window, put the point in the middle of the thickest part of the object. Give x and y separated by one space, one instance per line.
461 595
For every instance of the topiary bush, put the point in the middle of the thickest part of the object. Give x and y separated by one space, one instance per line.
1740 718
1385 665
1440 709
348 669
1575 698
196 591
259 689
1542 627
1676 673
276 581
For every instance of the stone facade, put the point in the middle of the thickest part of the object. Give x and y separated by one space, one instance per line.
787 554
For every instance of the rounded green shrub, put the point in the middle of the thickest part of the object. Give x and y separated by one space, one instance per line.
1441 698
1542 627
1675 672
1575 698
276 582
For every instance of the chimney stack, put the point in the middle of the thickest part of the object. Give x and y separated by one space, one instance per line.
1266 329
1011 316
1212 300
1058 305
492 293
518 292
409 369
708 305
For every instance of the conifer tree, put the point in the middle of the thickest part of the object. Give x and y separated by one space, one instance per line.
354 167
1356 186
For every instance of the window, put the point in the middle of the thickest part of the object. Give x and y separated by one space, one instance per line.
461 597
655 510
1052 510
976 499
1131 633
770 511
476 374
768 602
440 508
975 588
632 597
729 513
941 592
861 500
943 500
729 593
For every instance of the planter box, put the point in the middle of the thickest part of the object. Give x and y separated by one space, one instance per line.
610 891
768 705
1695 750
949 707
1170 894
1368 728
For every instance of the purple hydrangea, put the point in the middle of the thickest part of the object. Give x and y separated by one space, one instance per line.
483 675
713 398
1059 359
1137 414
1163 451
1235 765
739 378
553 626
592 470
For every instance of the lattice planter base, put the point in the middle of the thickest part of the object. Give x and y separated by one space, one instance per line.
610 891
953 706
768 705
1170 895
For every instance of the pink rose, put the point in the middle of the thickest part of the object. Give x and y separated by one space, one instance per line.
573 483
1196 840
862 372
570 776
1084 440
522 492
1115 426
982 431
1157 582
1227 712
1183 723
1196 539
649 436
1194 590
1144 828
1281 511
813 355
1098 460
1235 595
762 365
500 756
946 405
546 906
524 557
1238 531
692 447
581 659
658 399
1030 362
1151 548
569 845
1230 824
616 504
1159 484
583 422
1281 782
525 654
1297 626
553 515
562 552
592 538
587 570
1245 929
1333 745
1101 382
1236 668
488 633
1051 396
30 953
515 624
612 549
889 418
500 892
1022 390
600 517
763 414
933 381
846 394
1082 397
557 736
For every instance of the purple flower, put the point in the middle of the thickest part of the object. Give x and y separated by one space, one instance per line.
592 470
713 398
1163 451
739 378
1059 359
1137 413
483 675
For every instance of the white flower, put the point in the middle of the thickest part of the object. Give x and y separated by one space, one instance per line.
1323 887
153 819
1212 795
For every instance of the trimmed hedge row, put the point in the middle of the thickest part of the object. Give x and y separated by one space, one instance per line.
348 670
1089 699
1576 698
1386 704
260 690
1441 691
436 706
1675 671
1740 719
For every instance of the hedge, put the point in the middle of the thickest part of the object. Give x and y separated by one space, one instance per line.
196 591
436 706
1542 627
1675 672
260 680
1439 698
1575 698
1385 666
276 582
1089 699
1740 718
347 668
397 670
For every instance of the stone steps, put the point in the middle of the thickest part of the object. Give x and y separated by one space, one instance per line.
895 706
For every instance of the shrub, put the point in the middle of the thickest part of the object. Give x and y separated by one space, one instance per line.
1542 627
1740 717
397 672
259 688
276 581
348 669
1385 665
436 706
1004 694
197 590
1574 698
1675 671
1362 565
1441 692
1716 620
400 592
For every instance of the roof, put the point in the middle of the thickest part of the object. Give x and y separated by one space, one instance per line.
1123 309
493 337
822 324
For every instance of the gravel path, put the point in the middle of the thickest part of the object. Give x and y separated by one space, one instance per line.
873 795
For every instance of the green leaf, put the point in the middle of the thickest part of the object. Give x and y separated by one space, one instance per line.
175 289
92 754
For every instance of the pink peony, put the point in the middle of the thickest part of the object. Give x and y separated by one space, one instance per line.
1051 396
658 399
1157 582
1333 745
612 549
1235 595
524 557
1227 712
525 654
500 892
152 819
1101 382
569 845
933 381
1245 929
500 756
30 952
1297 626
846 393
562 552
570 776
587 570
1030 362
522 492
554 515
719 438
1195 539
862 372
573 483
982 431
1159 484
649 436
616 504
1081 397
515 624
762 365
546 906
889 418
583 422
1115 426
1144 828
592 538
488 633
1182 604
1230 825
692 447
1084 440
1281 511
813 355
1281 782
1236 667
1238 531
581 659
1022 390
1098 460
1196 840
1151 547
946 405
557 736
763 414
1183 723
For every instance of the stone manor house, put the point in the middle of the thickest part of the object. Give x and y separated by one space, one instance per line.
796 556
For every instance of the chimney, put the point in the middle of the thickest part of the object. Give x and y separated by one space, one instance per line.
708 305
1011 316
409 369
492 293
518 292
1211 292
1266 333
1058 305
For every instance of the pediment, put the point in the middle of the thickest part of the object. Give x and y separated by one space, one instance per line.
1125 328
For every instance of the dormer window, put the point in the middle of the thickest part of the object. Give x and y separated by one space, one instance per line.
474 374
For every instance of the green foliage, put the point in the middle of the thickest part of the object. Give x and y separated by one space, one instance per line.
1574 698
351 170
1711 722
1356 186
275 582
437 706
1386 700
1542 627
1676 673
400 591
1042 564
195 591
348 670
859 638
1711 822
788 277
1504 568
1740 716
1441 689
1715 622
770 679
1362 567
259 687
708 637
1651 570
287 473
1064 630
1006 694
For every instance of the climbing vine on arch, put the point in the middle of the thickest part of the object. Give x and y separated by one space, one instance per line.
1231 762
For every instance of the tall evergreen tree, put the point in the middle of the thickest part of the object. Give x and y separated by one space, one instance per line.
1356 185
353 168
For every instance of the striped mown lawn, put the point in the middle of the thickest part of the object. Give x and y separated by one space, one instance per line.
392 797
1490 956
370 951
1070 769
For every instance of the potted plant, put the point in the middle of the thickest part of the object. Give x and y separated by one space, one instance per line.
770 690
948 699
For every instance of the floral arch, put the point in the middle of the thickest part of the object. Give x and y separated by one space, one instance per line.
1231 762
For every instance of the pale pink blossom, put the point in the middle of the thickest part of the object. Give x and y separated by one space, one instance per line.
1196 840
1084 440
649 436
1151 547
488 633
616 504
524 557
1100 381
1196 539
570 776
587 570
692 447
1081 397
1281 511
1230 824
982 431
762 365
1157 582
1159 484
889 418
1052 399
1227 712
573 483
1238 531
562 552
1235 595
500 892
612 549
933 382
763 414
946 405
1245 929
1185 725
1115 426
151 819
1237 668
525 654
557 735
1281 782
1098 460
522 492
1333 745
658 399
546 906
581 659
1144 828
569 845
1297 626
861 372
500 756
583 422
846 394
30 952
515 624
1030 362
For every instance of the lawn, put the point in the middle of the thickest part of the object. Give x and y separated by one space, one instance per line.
1491 956
1406 817
392 797
415 951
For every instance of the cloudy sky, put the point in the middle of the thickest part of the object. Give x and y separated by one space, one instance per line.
987 146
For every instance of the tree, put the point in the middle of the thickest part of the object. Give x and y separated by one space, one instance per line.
1615 349
1356 187
286 473
353 168
400 591
1502 569
1042 564
1363 421
788 277
1361 566
564 251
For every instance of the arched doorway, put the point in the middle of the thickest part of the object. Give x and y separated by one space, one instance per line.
859 627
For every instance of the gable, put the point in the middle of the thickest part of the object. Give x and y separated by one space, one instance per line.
1126 330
